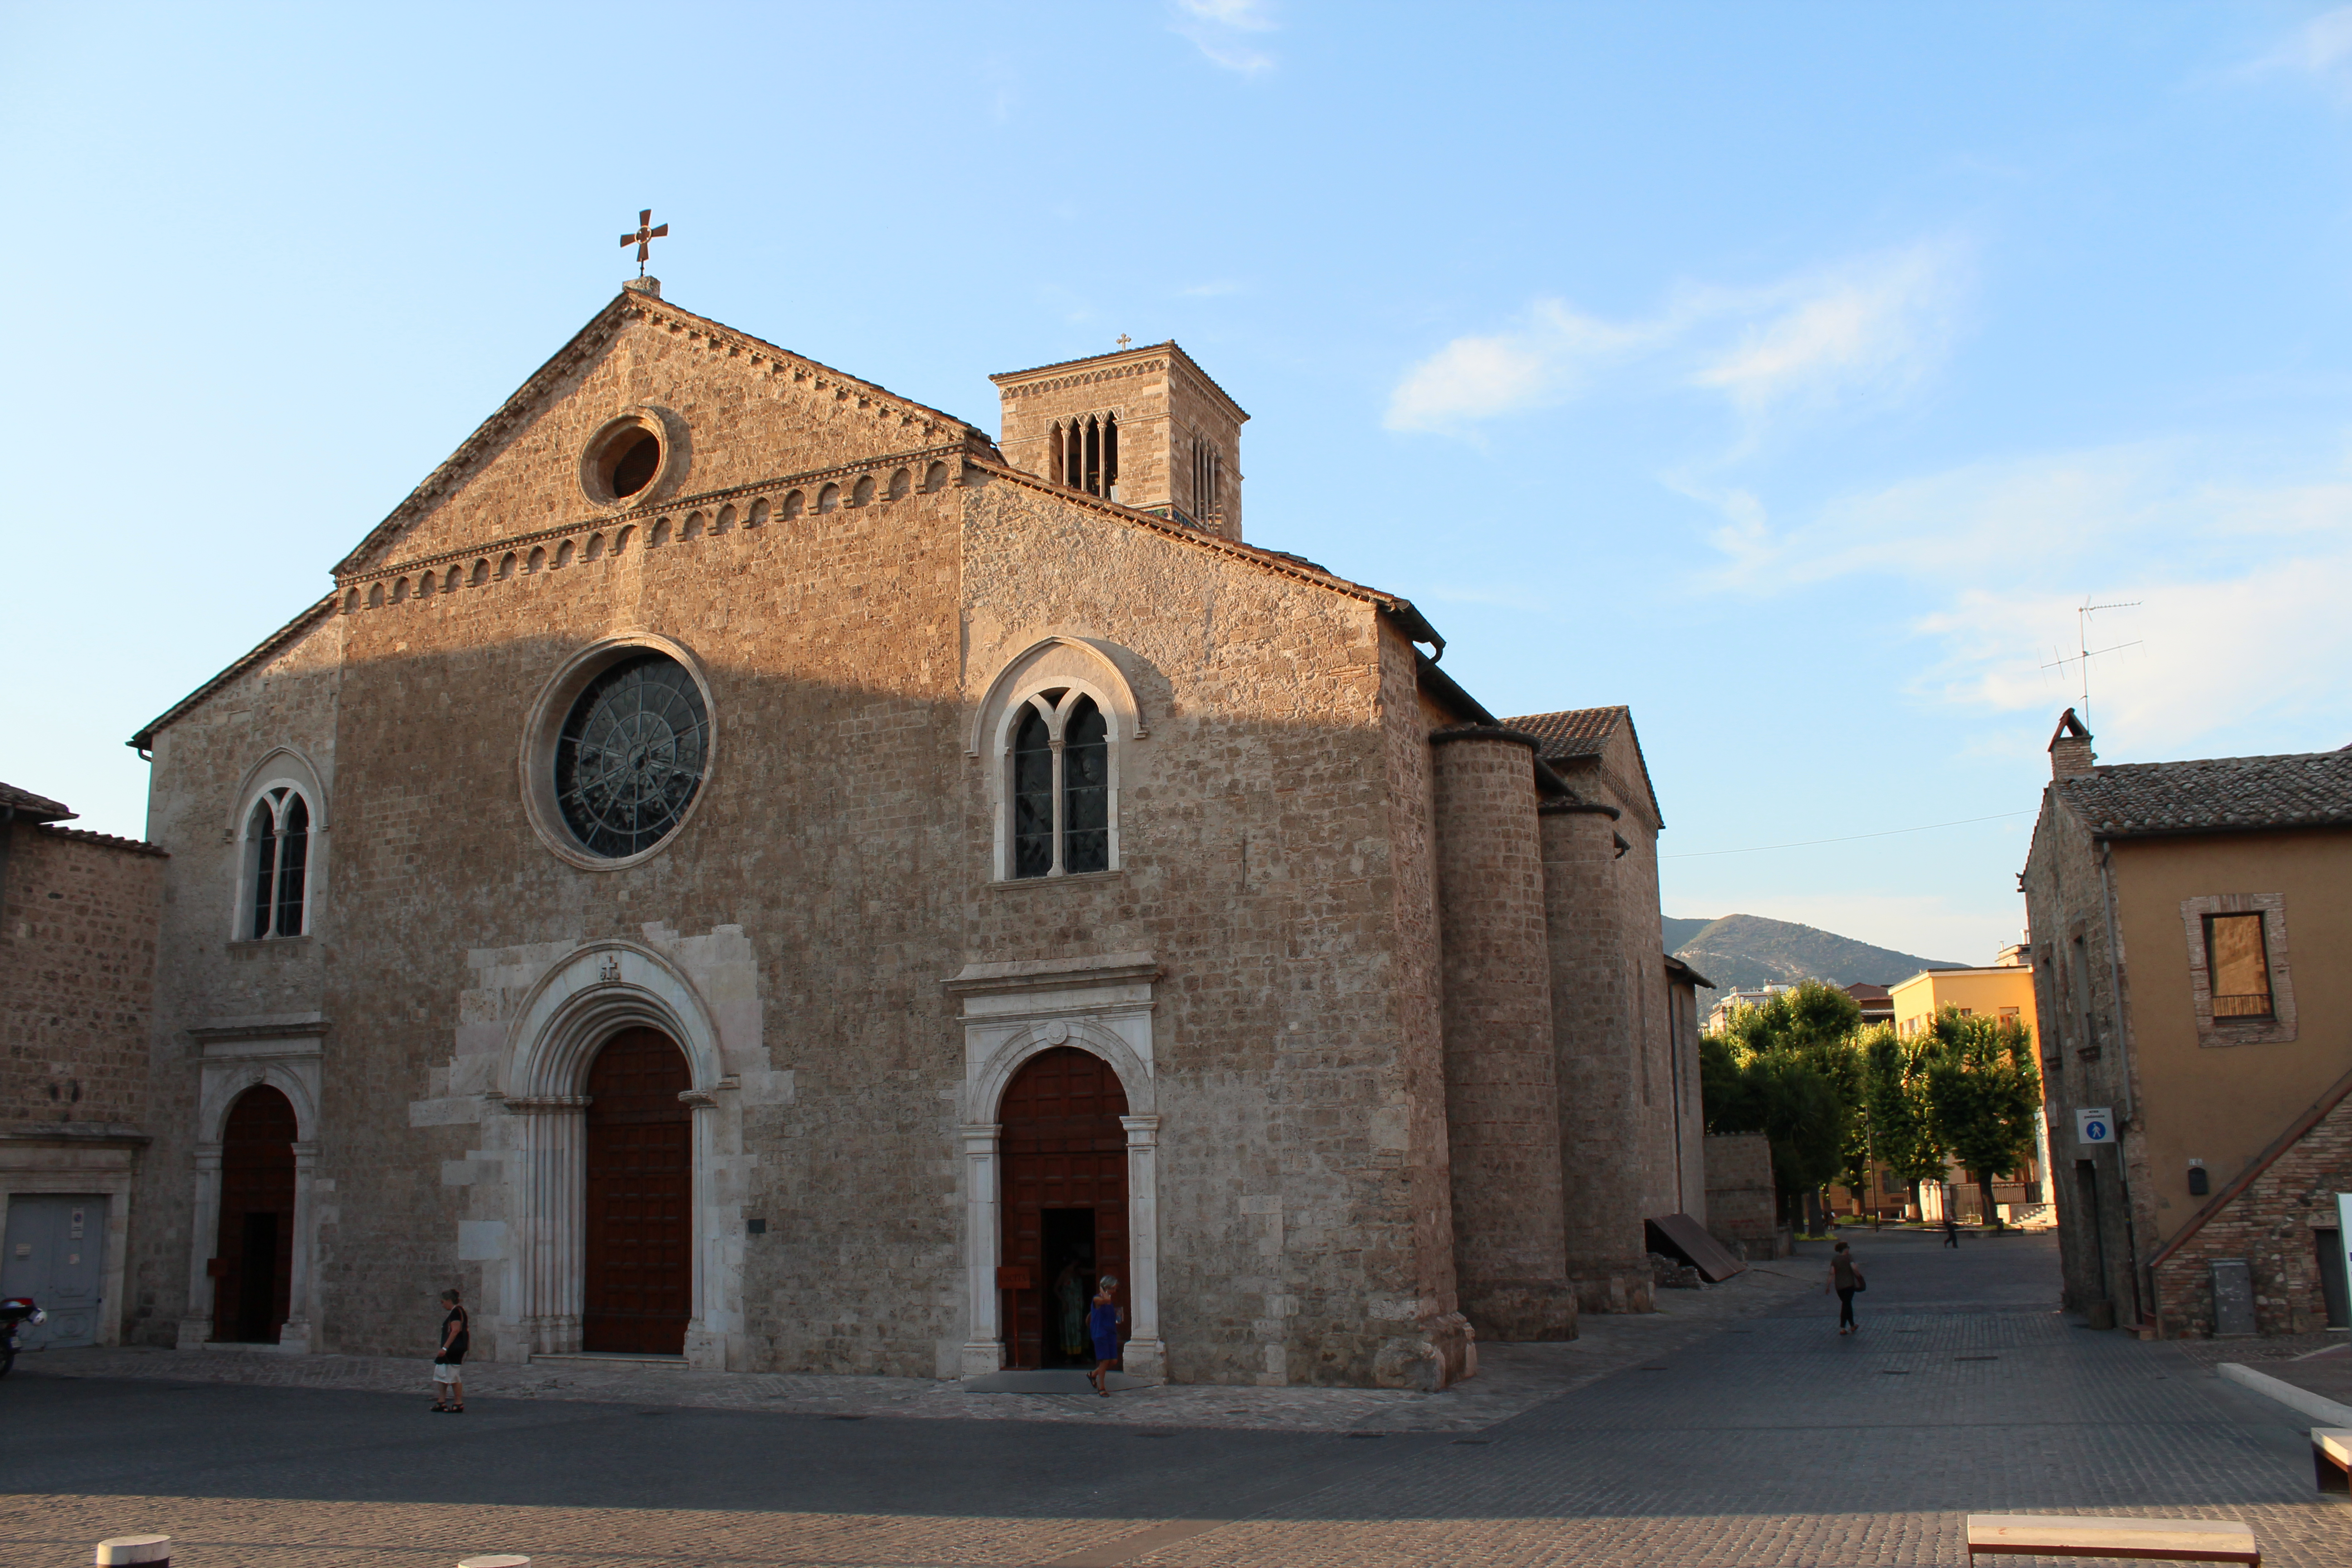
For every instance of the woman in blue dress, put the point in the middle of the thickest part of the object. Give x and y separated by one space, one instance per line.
1102 1326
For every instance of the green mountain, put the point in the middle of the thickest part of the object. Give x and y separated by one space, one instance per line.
1749 951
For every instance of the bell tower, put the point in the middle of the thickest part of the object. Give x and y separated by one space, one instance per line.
1145 427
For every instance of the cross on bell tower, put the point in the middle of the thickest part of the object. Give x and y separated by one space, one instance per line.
647 232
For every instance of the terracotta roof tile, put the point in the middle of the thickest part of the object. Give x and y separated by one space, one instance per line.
1578 732
106 840
25 804
2221 795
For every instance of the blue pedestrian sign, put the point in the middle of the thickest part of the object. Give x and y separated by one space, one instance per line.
2095 1125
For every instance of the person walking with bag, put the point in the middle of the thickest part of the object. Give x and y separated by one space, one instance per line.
449 1360
1845 1278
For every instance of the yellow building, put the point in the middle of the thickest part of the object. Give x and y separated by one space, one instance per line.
2003 991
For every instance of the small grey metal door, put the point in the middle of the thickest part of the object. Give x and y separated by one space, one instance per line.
57 1255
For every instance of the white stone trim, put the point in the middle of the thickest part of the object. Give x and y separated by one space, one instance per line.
289 1057
285 768
1079 667
1010 1013
104 1171
534 1239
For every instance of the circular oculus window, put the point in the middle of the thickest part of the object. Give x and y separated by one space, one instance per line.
627 459
630 755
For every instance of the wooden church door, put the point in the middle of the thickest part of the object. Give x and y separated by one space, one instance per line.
638 1291
1063 1158
253 1264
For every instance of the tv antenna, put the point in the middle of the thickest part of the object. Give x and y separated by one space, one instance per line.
2084 653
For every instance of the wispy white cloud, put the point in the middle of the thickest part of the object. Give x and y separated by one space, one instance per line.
1870 328
2320 47
1222 29
2241 623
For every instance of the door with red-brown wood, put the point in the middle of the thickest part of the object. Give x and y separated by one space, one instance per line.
1063 1157
639 1285
253 1260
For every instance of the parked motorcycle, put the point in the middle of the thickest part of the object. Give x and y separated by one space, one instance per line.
14 1310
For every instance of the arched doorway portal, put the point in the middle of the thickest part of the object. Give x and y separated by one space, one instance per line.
639 1288
253 1259
1064 1205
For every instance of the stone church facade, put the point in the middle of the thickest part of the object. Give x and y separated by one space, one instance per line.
745 866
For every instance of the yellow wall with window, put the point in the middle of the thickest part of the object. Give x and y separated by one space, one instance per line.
1991 993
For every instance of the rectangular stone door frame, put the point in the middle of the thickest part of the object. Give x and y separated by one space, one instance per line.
288 1057
984 1352
1100 1002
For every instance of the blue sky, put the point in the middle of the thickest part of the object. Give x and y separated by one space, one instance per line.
1788 372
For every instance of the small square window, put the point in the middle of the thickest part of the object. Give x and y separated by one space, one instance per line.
2237 959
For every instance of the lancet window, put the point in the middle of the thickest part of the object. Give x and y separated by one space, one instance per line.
1060 797
277 857
1083 453
1208 478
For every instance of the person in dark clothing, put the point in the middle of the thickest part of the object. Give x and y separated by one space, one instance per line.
449 1360
1845 1278
1102 1327
1951 1229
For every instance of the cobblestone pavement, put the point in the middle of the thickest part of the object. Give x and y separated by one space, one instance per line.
1755 1438
1511 1378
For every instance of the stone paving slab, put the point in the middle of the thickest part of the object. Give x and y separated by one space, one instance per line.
1511 1378
1717 1436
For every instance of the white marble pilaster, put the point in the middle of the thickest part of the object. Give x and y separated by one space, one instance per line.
295 1335
196 1323
549 1255
1146 1356
983 1351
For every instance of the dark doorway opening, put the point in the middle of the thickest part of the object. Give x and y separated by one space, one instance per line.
2087 1187
2335 1289
253 1273
638 1294
1067 1246
1063 1156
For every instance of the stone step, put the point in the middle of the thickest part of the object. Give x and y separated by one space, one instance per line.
606 1358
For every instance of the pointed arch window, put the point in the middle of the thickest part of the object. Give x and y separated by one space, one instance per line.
277 859
1061 794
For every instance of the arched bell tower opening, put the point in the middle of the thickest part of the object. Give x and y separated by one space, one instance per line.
1063 1166
637 1294
253 1259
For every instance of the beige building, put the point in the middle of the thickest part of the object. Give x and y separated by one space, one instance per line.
746 867
78 927
2190 924
2003 991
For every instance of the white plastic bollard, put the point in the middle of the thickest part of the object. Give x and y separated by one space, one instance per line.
503 1561
147 1551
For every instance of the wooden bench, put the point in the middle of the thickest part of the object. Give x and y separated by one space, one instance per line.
2165 1539
2331 1456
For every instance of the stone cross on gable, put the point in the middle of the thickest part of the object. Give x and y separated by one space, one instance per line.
647 232
1123 338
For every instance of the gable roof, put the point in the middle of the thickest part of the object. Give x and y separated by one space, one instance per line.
492 434
2220 794
268 648
1581 734
25 803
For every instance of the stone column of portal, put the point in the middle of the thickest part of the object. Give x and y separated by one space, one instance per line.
549 1248
1600 1113
197 1322
1145 1356
296 1335
1502 1106
984 1350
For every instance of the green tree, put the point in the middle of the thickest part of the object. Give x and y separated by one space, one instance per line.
1902 1120
1983 1090
1788 1068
